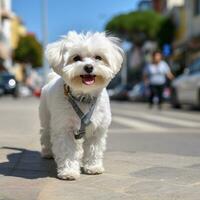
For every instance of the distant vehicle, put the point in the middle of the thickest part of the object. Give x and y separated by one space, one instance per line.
8 84
186 88
119 93
139 92
37 92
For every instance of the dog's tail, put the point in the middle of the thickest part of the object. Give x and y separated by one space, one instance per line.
52 75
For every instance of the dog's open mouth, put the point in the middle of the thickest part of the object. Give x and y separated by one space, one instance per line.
88 79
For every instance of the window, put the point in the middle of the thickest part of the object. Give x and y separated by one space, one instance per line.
196 7
145 5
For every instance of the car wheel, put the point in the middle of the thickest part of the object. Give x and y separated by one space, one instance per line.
174 100
15 93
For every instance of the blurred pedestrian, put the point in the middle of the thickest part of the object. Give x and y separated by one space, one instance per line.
155 75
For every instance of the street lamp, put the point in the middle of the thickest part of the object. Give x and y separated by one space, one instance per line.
45 36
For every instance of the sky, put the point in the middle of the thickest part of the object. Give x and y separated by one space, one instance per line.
66 15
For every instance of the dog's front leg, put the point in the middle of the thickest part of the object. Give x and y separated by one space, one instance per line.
44 115
67 152
94 148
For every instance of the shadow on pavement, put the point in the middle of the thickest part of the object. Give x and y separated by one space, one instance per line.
26 164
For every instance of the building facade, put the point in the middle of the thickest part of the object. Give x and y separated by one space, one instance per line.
11 29
193 17
174 3
186 16
5 33
145 5
157 5
17 30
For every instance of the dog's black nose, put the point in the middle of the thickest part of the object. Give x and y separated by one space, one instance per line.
88 68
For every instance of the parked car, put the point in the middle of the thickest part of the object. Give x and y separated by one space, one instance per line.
8 84
186 88
139 92
119 93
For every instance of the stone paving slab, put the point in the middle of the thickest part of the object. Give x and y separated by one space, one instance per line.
18 188
141 176
128 177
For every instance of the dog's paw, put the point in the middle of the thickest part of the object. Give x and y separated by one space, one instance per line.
46 153
68 174
93 169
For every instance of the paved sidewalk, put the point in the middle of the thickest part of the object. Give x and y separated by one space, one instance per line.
130 175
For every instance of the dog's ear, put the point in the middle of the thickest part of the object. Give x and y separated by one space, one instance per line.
117 53
54 54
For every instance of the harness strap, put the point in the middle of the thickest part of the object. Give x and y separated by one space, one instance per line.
75 106
85 118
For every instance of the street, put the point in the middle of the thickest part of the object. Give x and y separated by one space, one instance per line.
151 155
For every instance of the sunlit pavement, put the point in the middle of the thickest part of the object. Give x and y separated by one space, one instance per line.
151 155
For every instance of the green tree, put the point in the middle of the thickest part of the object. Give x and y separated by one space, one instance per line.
29 50
166 31
139 26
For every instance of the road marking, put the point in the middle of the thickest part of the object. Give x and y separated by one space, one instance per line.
182 115
164 131
190 115
137 124
119 130
159 118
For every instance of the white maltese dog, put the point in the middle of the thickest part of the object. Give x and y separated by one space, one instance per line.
74 109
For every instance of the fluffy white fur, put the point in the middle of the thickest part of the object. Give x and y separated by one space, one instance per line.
58 119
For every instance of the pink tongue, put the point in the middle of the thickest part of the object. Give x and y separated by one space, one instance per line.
88 80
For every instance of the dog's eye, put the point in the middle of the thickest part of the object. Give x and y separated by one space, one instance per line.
77 58
98 57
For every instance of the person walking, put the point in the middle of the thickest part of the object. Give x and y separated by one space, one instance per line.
155 75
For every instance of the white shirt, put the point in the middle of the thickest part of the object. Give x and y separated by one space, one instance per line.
157 73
